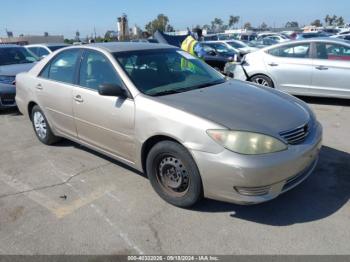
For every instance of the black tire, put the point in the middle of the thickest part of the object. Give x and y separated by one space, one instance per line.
160 158
49 138
262 80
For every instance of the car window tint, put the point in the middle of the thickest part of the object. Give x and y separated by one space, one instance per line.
291 51
62 68
332 51
34 50
96 70
42 52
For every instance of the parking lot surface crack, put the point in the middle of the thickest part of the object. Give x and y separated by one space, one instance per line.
56 184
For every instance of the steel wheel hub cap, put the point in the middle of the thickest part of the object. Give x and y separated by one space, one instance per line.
173 174
40 125
261 81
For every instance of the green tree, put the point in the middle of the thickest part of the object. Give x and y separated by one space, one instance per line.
292 24
263 26
340 21
161 23
217 25
317 23
247 25
233 21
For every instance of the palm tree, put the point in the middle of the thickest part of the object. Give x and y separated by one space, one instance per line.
233 20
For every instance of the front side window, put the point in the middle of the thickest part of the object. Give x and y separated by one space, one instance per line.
62 68
96 70
332 51
291 51
167 71
16 55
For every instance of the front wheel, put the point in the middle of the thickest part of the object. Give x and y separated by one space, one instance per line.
174 174
262 80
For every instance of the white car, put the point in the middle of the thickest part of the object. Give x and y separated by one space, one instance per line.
42 50
311 67
236 45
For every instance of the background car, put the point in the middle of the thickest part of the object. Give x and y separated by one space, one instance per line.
314 67
218 54
13 60
342 36
42 50
312 35
240 46
208 136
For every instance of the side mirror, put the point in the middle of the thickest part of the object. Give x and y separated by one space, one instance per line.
111 90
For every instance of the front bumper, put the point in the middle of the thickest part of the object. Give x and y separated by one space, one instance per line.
242 179
7 96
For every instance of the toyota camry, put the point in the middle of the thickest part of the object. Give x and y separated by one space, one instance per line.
160 110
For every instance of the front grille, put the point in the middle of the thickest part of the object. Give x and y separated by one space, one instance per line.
297 135
8 99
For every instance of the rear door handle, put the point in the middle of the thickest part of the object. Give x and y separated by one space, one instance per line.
39 87
273 64
78 98
321 68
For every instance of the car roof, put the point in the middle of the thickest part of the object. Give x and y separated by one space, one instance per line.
9 45
113 47
310 40
48 44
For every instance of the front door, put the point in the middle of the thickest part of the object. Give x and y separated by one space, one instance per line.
103 121
291 67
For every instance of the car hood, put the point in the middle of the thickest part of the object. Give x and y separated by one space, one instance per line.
13 70
240 106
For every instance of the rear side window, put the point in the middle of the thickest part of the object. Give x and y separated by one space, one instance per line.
42 52
62 67
291 51
331 51
96 70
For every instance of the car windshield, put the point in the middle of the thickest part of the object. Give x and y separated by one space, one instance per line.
167 71
222 48
16 55
237 44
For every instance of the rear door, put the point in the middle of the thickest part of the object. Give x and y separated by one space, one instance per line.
331 72
103 121
54 90
291 67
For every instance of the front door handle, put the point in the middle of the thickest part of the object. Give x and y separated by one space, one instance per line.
273 64
321 67
39 87
78 98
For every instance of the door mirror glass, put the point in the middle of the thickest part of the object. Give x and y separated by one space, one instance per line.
111 90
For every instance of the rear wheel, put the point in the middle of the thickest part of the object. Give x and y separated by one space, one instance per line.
262 80
174 174
42 128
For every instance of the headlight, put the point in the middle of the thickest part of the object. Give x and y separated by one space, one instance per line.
247 143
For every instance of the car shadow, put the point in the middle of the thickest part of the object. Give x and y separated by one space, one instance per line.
10 112
325 101
68 143
321 195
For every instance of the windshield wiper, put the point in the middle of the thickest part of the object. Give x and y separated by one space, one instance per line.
170 92
217 82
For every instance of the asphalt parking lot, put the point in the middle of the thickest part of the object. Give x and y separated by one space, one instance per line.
66 199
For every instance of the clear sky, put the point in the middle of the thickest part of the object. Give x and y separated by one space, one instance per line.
67 16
